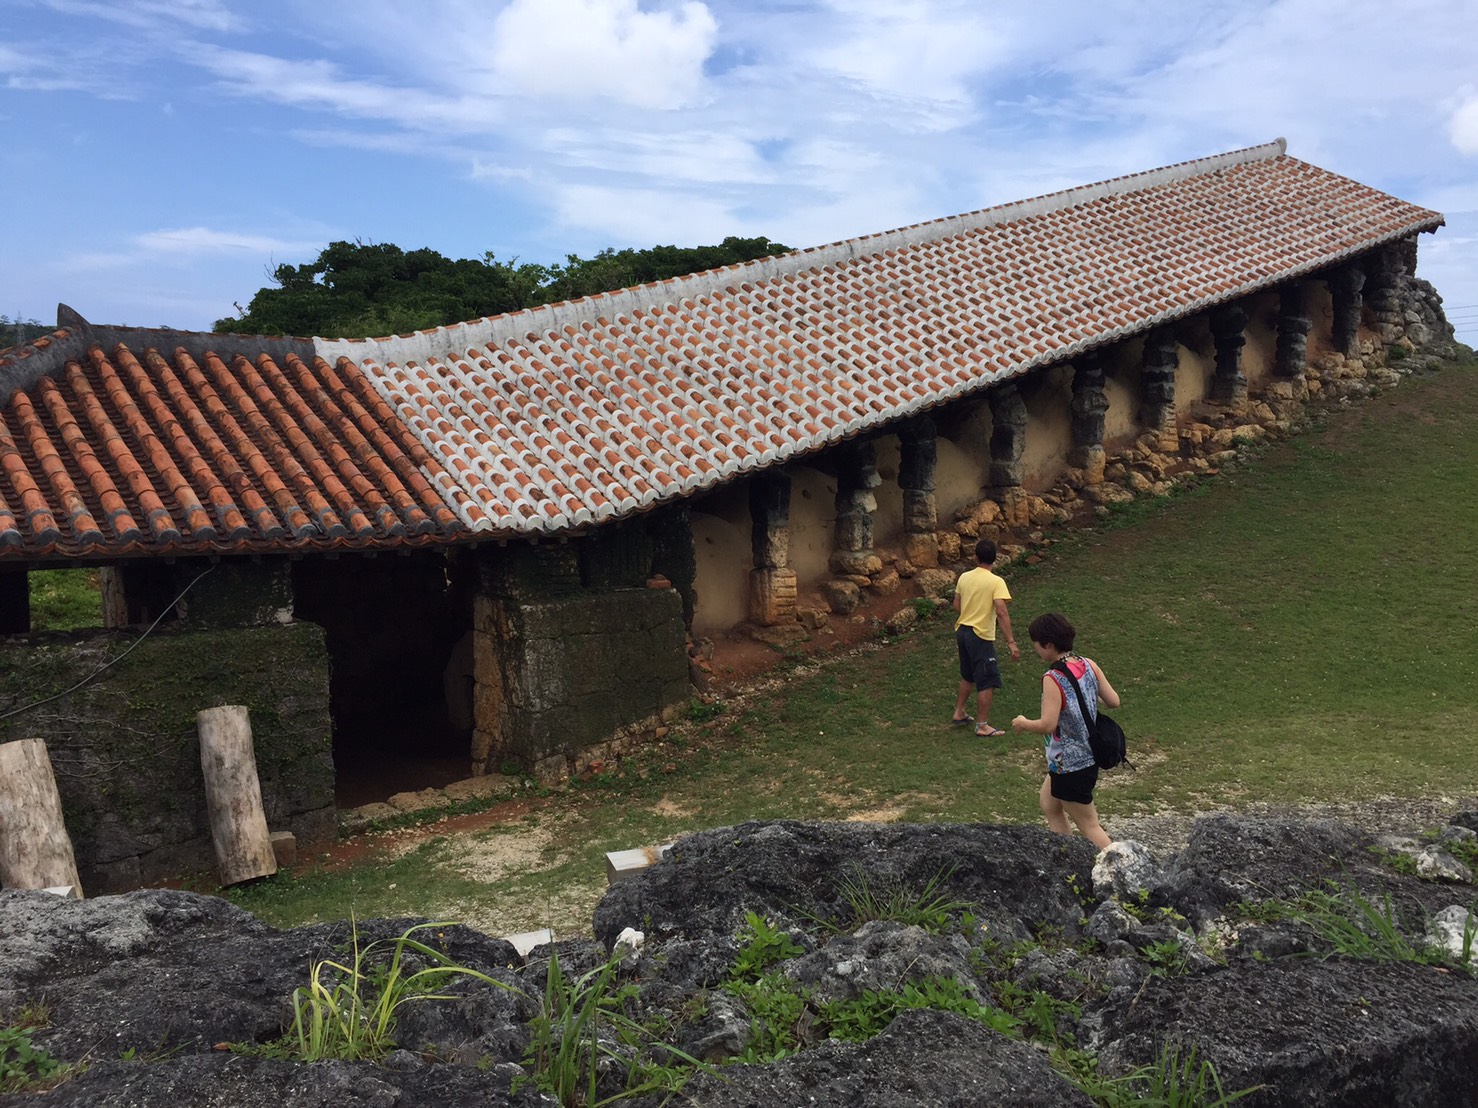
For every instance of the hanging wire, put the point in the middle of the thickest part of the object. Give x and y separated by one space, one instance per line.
97 672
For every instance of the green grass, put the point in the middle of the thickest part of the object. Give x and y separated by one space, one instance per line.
1300 628
65 599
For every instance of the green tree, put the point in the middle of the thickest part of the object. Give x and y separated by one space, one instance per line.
18 331
358 289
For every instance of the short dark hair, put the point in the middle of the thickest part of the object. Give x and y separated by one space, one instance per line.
1053 629
985 552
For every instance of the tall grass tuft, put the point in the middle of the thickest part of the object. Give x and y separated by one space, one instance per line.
348 1011
1173 1080
583 1033
928 907
1354 926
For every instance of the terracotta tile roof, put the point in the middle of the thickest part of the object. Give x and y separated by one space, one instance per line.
116 453
573 414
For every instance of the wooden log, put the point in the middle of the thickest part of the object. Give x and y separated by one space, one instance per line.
35 849
233 795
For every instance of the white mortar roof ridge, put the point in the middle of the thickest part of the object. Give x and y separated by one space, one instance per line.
459 337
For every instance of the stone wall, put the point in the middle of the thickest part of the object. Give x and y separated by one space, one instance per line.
571 654
125 750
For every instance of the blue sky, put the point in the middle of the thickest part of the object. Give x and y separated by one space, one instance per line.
159 157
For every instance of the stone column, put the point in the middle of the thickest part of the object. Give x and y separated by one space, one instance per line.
1089 406
1291 357
1007 443
1157 389
1345 286
1229 333
772 584
857 476
918 453
507 576
1386 271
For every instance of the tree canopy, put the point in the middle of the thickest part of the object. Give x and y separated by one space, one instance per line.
18 331
356 289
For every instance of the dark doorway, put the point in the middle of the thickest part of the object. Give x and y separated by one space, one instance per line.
393 625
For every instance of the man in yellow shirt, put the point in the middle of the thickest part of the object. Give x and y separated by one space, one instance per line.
981 598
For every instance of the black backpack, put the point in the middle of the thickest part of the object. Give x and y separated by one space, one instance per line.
1105 737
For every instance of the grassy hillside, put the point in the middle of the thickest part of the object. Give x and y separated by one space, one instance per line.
1302 628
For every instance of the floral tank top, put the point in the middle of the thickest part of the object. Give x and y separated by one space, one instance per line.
1067 747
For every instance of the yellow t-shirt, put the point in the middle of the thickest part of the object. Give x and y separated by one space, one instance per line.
978 590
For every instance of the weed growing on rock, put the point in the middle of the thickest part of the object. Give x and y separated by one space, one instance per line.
701 712
858 1020
348 1009
583 1037
1353 926
1173 1080
1167 958
1139 907
23 1064
1465 851
777 1008
925 606
928 907
1395 860
762 944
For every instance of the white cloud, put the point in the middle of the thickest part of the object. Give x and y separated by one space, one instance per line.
204 240
318 84
491 171
675 155
204 15
914 49
1463 126
544 126
634 215
94 261
575 49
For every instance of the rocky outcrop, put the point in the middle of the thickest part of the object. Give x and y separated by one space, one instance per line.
828 964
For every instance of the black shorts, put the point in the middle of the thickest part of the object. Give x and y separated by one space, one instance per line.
1075 787
978 660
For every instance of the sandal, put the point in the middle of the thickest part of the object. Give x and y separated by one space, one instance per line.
962 722
986 731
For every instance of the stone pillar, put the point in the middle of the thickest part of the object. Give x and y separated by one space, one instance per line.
1386 272
1345 286
1229 333
507 576
857 476
1157 389
1291 356
15 602
918 453
1008 418
1089 406
772 585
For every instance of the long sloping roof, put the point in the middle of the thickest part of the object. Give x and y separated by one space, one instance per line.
123 441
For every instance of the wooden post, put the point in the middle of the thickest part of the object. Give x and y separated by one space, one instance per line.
233 795
115 599
35 849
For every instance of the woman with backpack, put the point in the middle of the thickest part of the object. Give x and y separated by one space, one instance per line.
1072 771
